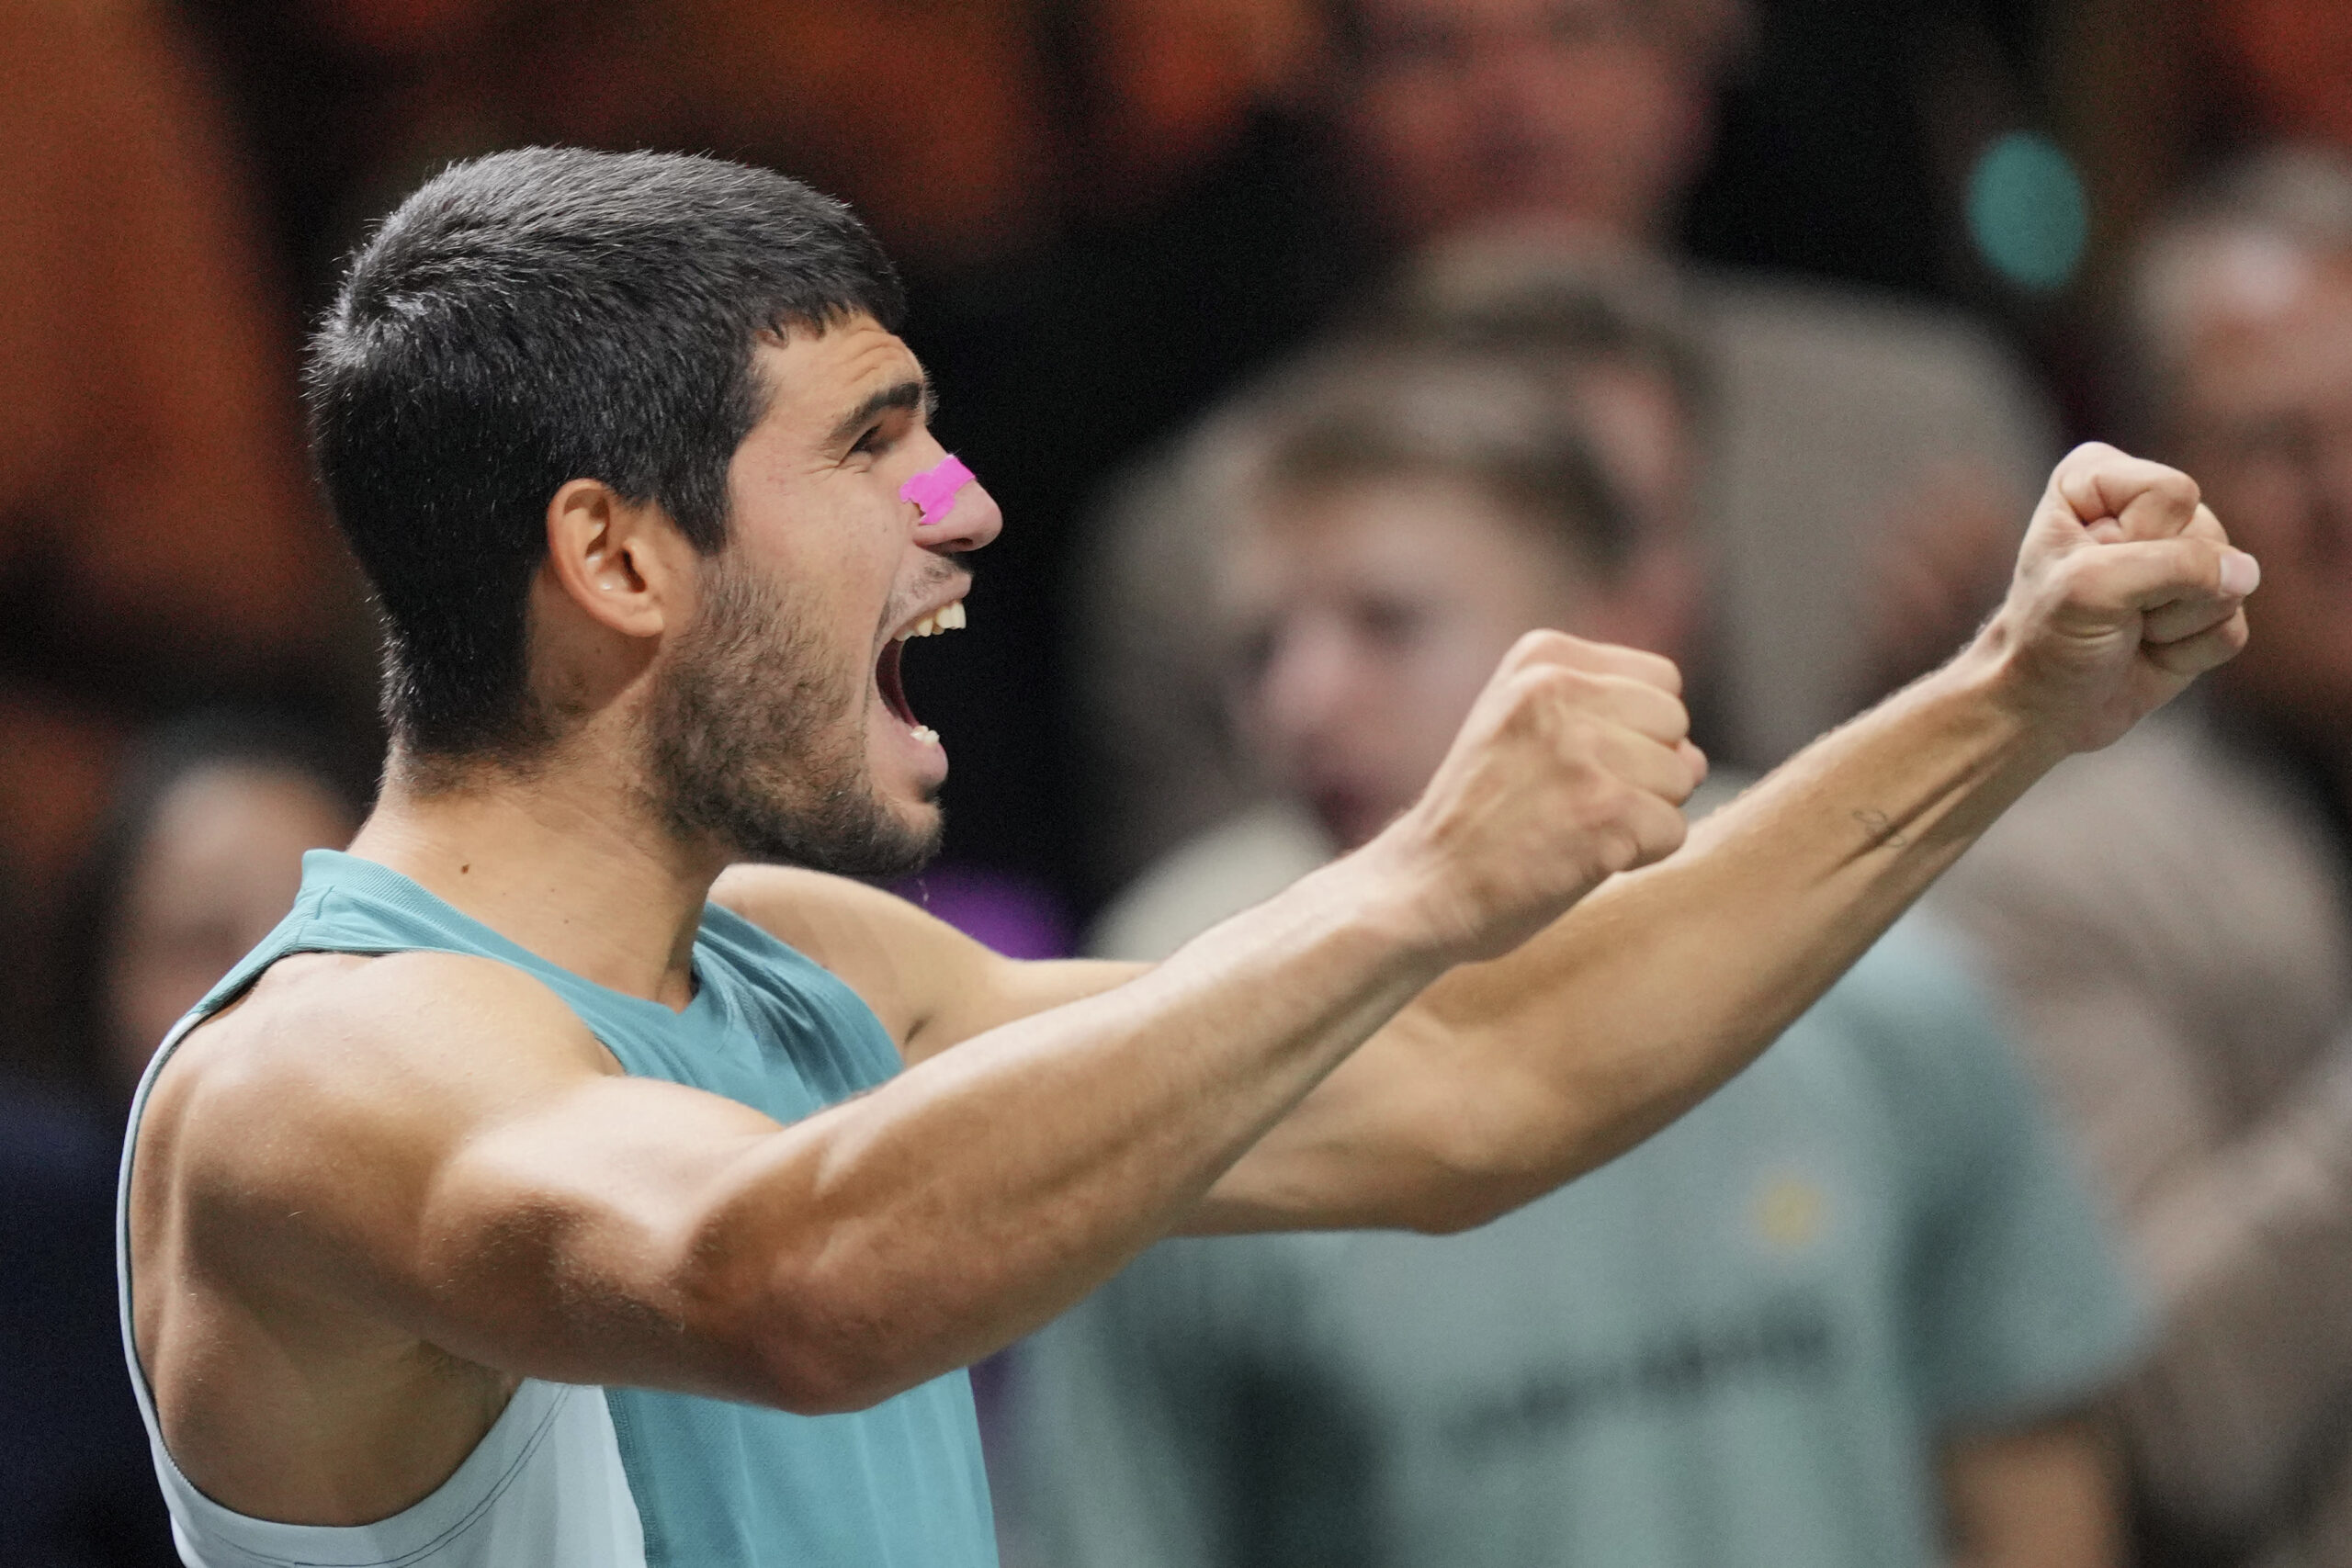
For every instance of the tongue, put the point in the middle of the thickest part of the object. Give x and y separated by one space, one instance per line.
886 678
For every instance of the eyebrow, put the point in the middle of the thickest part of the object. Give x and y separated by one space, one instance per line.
915 395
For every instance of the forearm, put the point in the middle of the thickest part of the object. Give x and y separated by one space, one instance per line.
982 1191
1663 984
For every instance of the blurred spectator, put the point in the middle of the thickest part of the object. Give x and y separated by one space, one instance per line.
1873 463
77 1487
156 539
1840 1314
2205 1058
1114 208
2297 57
200 857
1054 174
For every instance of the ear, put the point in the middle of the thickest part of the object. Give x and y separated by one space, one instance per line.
621 563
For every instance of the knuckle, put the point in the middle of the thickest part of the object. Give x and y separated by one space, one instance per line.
2071 576
1529 690
1562 684
1616 846
1581 771
1541 645
1672 830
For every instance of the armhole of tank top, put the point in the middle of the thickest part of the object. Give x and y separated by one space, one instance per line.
530 1413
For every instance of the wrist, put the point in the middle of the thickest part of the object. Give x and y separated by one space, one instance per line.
1395 891
1990 680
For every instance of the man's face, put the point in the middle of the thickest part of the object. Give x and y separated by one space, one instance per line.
1477 112
2265 423
1372 614
779 723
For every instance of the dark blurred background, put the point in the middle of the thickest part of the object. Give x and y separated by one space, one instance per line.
1110 213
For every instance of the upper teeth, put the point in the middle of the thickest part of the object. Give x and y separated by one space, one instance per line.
948 619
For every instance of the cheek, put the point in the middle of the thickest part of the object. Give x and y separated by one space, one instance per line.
1627 102
1444 685
1413 132
2263 506
1459 647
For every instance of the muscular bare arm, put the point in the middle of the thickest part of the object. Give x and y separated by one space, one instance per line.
378 1190
374 1167
1509 1077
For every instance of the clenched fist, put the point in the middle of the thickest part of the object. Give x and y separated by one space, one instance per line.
1572 766
2126 589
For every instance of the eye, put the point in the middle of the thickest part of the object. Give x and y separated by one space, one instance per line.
871 441
1390 625
1254 652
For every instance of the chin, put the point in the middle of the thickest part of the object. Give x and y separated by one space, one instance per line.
925 826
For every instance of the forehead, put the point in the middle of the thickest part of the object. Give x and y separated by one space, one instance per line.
1416 529
816 379
2281 328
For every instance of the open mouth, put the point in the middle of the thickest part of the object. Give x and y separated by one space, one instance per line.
888 678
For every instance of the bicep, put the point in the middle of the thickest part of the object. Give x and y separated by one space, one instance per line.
572 1242
1005 990
1396 1137
470 1170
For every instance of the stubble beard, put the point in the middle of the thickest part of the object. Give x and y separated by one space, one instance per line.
756 741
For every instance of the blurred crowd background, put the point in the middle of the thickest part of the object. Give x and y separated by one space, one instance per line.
1314 349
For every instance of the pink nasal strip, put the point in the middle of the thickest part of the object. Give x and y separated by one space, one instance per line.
935 489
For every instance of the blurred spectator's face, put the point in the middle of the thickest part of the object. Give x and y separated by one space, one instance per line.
218 868
2265 423
1374 613
1466 113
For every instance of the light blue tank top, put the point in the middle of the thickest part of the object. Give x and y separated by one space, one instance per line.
575 1477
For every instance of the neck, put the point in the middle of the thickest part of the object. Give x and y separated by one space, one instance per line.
571 866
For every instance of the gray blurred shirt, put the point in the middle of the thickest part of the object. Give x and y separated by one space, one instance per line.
2171 923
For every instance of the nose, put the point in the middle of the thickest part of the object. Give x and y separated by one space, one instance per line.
971 522
1305 684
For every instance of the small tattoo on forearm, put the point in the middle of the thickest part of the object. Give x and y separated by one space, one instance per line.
1882 831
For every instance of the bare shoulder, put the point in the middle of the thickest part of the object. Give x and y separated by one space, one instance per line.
343 1063
815 912
932 986
342 1026
900 959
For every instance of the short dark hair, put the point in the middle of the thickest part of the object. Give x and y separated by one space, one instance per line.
539 316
